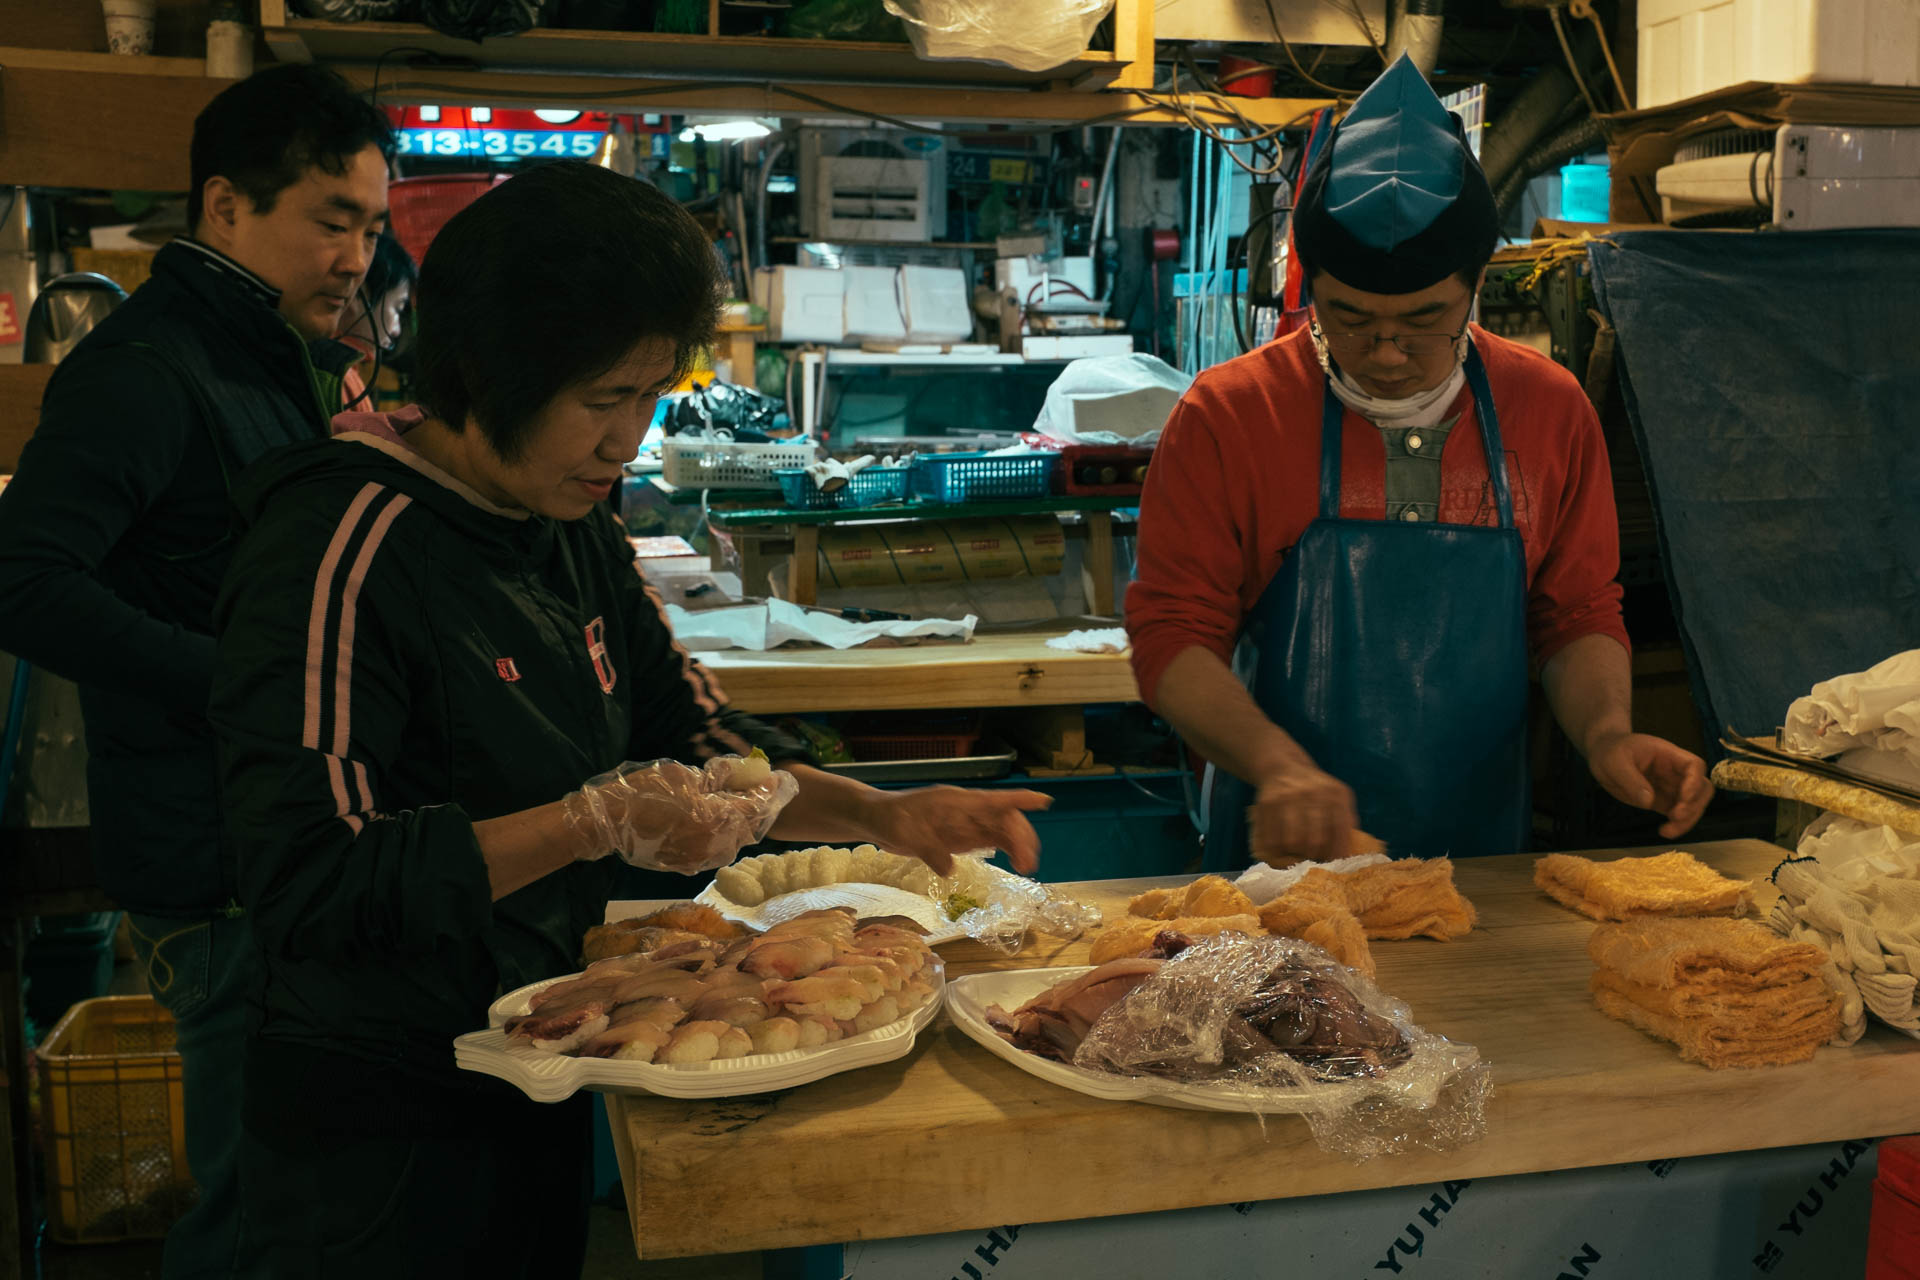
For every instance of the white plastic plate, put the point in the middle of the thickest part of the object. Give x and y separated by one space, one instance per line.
867 900
967 1001
550 1077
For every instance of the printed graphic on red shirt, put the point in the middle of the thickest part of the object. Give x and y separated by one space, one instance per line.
597 650
10 334
1487 512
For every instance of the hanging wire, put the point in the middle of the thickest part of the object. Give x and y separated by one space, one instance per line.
1573 64
1584 9
1273 19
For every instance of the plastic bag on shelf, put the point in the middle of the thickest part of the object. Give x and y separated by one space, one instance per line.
1237 1015
1135 392
843 20
1031 37
725 411
483 19
357 10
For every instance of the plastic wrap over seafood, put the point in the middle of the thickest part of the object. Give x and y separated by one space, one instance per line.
1234 1014
999 909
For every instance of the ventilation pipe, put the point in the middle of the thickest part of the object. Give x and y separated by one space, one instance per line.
1533 112
1576 139
1413 28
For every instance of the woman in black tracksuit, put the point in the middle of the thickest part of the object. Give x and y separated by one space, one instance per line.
431 641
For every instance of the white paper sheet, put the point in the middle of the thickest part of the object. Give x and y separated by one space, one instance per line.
759 627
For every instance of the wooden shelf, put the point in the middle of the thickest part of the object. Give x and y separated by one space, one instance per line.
886 244
663 72
13 59
998 669
71 119
633 53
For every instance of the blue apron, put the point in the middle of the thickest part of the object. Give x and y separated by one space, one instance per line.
1395 654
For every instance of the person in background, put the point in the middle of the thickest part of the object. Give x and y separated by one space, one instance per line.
444 695
375 320
1327 502
118 527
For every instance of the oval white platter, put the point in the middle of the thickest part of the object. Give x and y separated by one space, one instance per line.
550 1077
867 900
967 1001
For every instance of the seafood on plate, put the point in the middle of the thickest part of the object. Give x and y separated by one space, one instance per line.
684 996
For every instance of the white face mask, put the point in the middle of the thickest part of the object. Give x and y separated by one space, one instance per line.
1421 409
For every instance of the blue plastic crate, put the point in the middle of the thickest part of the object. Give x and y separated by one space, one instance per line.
800 492
971 477
868 488
875 485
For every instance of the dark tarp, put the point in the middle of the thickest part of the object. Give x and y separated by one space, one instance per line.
1773 382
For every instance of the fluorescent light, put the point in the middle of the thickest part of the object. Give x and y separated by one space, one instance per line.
725 131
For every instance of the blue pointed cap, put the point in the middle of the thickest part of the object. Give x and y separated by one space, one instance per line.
1396 202
1396 160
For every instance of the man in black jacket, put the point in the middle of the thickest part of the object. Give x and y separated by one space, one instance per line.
118 527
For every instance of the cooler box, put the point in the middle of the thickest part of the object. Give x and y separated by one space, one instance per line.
1691 47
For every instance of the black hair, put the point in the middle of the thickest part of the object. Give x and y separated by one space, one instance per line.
264 133
547 281
390 267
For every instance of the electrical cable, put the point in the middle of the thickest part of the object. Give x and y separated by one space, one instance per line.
1366 29
1573 64
769 87
373 332
1273 19
1584 9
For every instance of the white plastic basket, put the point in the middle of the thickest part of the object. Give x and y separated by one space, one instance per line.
711 464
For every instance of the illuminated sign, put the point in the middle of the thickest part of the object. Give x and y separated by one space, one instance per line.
497 142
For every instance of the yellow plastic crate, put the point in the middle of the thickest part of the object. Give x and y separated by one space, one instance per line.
115 1131
128 268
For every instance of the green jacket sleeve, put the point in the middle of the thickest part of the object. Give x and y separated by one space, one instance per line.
313 688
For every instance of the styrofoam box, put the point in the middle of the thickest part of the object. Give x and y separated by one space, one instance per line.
1075 346
873 303
936 303
806 304
1690 47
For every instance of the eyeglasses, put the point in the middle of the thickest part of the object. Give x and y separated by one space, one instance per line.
1362 344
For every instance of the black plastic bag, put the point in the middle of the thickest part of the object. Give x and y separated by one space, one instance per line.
478 20
739 413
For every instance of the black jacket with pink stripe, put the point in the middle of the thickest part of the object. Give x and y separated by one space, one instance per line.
397 660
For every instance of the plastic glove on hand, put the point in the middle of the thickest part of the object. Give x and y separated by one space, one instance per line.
667 816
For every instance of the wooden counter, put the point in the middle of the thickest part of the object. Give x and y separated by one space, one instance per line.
997 670
951 1138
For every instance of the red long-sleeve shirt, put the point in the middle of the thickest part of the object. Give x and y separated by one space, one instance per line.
1236 480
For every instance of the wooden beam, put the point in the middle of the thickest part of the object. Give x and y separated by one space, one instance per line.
287 45
14 58
1133 40
179 28
61 128
21 386
1012 106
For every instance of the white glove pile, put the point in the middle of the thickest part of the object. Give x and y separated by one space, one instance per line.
1856 892
1875 712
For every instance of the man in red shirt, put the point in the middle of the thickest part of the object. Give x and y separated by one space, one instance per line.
1324 504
